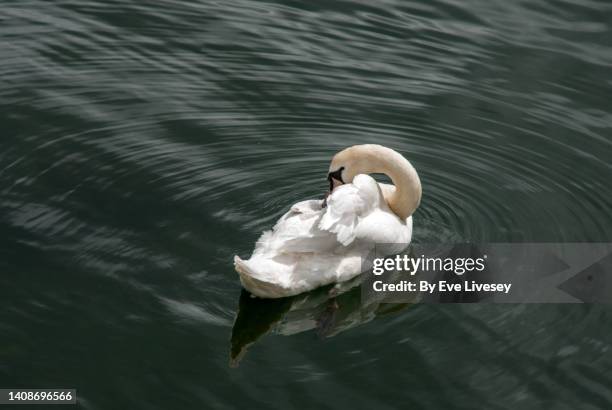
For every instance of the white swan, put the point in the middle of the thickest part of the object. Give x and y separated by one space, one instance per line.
315 244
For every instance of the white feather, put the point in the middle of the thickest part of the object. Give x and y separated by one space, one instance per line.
311 246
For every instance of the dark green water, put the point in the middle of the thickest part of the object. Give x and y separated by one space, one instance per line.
143 144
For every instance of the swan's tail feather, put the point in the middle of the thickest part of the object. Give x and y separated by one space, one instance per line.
256 286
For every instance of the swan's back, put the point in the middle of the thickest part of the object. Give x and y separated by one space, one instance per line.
311 246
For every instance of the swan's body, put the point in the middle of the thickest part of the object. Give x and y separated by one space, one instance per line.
312 246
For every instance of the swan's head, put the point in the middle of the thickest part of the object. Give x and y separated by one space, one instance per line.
340 171
376 159
352 161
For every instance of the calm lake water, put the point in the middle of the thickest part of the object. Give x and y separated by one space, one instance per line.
145 143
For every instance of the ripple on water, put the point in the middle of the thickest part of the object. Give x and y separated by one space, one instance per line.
146 145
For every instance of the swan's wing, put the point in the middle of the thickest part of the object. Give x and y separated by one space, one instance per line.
307 228
310 206
296 232
347 205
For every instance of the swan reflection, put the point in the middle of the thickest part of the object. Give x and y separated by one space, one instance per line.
327 311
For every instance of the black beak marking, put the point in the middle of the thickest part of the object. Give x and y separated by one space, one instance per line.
337 175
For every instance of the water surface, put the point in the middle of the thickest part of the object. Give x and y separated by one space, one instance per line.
143 145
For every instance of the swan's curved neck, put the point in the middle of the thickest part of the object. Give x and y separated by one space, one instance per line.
405 199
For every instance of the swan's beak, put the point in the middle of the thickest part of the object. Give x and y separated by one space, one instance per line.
333 184
335 180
